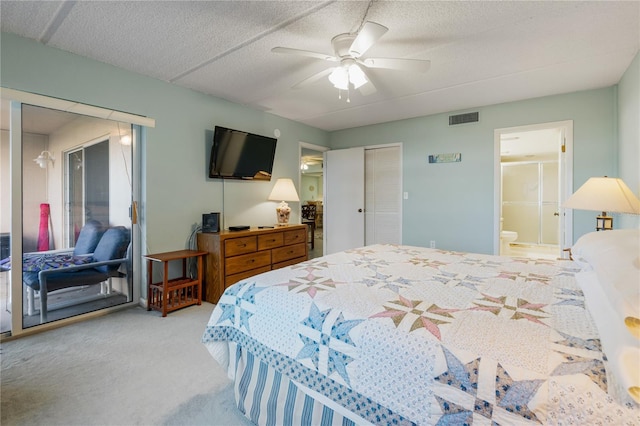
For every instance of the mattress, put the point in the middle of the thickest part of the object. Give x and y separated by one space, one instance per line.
392 334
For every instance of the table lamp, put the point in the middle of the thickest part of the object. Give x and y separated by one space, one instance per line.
604 194
283 191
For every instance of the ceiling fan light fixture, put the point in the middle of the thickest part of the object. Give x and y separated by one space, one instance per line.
349 48
356 76
340 78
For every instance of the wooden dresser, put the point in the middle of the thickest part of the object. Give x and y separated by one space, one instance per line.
234 255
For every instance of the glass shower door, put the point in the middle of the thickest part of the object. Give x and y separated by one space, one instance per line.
530 203
520 201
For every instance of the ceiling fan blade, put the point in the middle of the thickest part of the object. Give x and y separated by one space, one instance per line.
315 77
418 65
368 35
308 53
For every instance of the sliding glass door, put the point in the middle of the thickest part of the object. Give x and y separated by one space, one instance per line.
87 188
67 194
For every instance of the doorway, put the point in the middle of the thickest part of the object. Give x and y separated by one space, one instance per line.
311 184
533 176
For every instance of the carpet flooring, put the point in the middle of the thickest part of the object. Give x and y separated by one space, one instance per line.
131 367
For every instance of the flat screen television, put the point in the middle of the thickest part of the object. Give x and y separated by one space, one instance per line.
241 155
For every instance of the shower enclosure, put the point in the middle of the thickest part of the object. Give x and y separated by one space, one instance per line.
530 201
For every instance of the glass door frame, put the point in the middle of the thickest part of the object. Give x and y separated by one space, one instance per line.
17 99
68 214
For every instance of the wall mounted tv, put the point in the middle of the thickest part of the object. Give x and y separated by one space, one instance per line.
241 155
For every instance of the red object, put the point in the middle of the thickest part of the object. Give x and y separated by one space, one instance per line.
43 233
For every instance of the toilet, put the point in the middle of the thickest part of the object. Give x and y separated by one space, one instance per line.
506 237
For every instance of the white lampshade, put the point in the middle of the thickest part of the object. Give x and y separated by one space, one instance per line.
604 194
284 190
348 72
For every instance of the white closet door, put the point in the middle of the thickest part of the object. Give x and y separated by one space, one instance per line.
383 195
343 199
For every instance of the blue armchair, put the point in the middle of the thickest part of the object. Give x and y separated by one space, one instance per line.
102 265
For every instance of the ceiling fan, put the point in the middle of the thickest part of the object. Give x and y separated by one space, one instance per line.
352 67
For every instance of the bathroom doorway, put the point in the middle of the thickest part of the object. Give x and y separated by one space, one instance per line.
533 177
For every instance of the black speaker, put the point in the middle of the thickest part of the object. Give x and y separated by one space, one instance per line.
211 222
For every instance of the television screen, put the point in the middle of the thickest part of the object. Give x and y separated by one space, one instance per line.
241 155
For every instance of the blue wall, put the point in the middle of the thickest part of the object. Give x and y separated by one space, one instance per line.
450 203
453 203
176 150
629 134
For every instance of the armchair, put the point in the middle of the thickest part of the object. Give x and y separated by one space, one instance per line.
102 265
88 238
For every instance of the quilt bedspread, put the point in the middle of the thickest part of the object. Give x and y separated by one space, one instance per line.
410 335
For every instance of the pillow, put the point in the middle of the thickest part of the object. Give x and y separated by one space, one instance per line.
615 257
622 351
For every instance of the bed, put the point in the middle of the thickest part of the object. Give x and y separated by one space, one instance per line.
392 334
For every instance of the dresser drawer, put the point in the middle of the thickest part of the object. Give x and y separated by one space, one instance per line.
295 237
246 262
289 262
270 241
288 252
235 246
232 279
235 256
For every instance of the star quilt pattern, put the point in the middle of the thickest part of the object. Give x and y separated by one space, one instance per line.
428 336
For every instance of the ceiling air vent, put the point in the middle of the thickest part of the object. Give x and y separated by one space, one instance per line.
469 117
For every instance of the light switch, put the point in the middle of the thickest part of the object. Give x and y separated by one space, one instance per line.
406 195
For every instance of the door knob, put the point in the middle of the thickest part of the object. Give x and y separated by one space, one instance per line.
556 214
359 210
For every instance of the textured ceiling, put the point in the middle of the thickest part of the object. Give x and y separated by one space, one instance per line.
481 52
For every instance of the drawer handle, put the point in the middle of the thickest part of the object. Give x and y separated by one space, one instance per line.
242 245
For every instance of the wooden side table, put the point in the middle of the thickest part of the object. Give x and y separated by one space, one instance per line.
171 294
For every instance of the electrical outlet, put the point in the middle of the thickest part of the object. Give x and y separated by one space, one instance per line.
432 244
